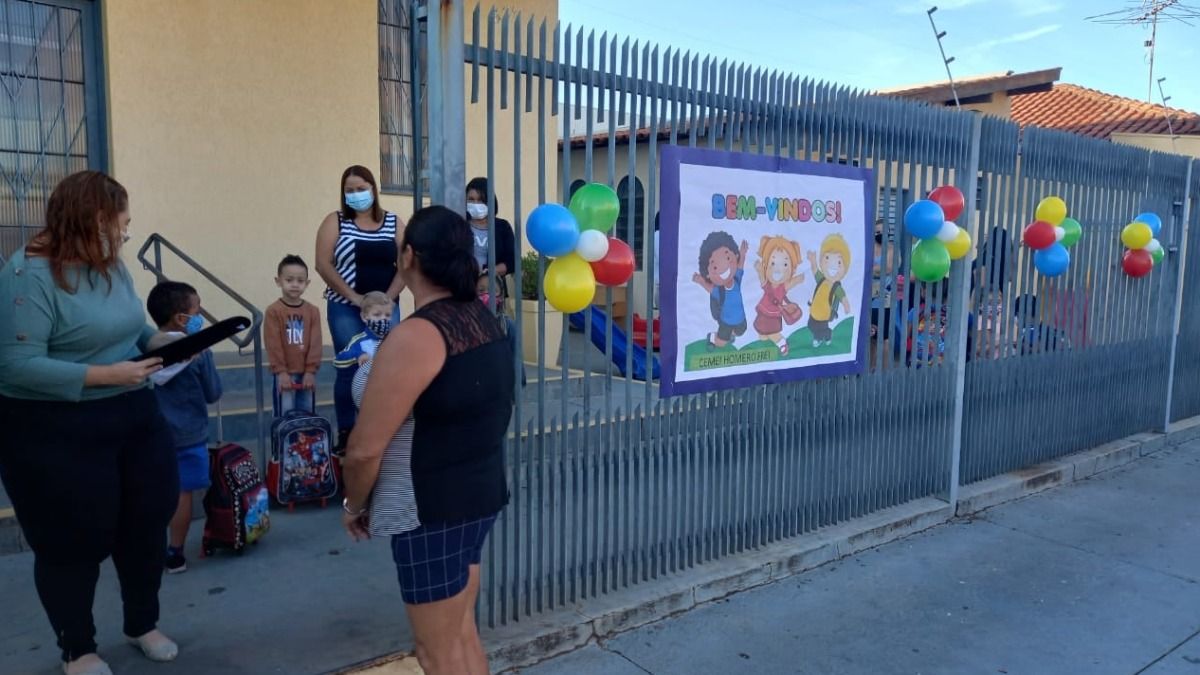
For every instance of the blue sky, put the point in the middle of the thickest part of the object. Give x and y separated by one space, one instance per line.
876 44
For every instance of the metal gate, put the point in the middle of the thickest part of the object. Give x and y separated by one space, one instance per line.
613 486
51 113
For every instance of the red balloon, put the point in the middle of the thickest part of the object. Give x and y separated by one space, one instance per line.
950 199
617 266
1137 264
1039 235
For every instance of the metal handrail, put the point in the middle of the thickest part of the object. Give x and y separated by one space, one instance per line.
251 337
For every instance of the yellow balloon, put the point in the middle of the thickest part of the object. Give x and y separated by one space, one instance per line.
1136 236
570 284
960 246
1053 210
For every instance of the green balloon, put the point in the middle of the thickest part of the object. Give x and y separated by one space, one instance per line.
930 261
596 207
1073 232
1158 255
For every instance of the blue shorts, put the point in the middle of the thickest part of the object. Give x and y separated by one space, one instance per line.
433 561
193 467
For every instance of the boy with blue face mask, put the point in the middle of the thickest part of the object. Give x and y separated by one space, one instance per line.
377 316
184 396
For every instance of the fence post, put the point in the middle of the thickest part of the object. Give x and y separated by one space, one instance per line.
447 105
1181 267
961 299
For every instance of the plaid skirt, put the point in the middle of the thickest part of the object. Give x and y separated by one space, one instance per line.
433 561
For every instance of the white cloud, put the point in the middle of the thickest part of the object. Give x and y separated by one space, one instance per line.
1023 36
921 6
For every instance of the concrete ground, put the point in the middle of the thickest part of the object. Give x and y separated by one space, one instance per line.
304 600
1099 576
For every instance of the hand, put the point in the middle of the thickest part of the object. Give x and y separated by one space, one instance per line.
356 525
355 299
745 248
698 279
309 382
363 358
129 373
283 382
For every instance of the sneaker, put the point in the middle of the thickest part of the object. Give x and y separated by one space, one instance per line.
176 563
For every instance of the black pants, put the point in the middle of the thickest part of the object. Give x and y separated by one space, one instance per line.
89 480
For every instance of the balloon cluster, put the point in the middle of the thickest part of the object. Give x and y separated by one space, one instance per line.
1050 235
577 238
1144 250
932 221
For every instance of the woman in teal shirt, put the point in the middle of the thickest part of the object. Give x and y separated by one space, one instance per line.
88 461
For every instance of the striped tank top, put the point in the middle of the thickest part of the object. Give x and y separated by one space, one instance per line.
366 261
393 508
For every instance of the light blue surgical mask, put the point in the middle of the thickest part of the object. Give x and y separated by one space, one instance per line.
194 324
360 201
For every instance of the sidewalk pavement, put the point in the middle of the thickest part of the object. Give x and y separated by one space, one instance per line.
1099 576
304 600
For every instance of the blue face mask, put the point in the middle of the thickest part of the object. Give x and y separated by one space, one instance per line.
194 324
359 201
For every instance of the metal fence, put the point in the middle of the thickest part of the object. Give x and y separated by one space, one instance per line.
1185 401
613 486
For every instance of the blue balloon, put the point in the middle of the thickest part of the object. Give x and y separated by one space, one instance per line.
924 219
553 230
1052 261
1152 220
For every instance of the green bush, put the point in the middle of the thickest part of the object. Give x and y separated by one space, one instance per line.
529 276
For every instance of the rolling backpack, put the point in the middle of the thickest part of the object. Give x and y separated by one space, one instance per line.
302 467
236 506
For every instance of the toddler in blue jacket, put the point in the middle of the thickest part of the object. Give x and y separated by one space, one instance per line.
184 396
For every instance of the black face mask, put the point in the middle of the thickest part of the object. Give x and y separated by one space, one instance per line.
379 327
878 238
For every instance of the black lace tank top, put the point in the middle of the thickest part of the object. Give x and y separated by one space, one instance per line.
462 418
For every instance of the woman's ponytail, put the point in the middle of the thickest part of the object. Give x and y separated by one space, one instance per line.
442 243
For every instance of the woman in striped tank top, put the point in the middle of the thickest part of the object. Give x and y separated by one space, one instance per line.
357 249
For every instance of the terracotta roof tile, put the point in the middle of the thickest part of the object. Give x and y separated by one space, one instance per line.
1088 112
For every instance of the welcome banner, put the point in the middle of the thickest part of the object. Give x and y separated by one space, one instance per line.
766 265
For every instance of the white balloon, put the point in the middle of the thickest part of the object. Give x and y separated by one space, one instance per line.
1059 233
948 232
1154 246
592 246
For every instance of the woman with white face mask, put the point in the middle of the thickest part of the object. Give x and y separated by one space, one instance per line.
481 204
357 250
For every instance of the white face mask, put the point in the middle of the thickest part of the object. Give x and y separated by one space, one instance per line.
477 211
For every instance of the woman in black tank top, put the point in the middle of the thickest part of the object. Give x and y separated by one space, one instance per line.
448 366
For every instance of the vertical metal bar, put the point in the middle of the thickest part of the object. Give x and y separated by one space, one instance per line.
1177 318
961 303
447 128
417 99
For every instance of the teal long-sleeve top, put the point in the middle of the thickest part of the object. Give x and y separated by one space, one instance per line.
49 336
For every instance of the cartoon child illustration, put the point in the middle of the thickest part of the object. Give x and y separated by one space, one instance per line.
721 262
828 273
778 260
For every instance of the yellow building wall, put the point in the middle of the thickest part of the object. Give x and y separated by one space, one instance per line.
1183 145
231 121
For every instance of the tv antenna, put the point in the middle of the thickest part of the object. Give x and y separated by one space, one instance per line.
938 35
1149 12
